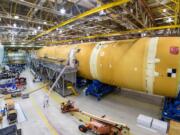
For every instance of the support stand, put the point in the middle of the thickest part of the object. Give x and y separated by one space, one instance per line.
171 109
98 89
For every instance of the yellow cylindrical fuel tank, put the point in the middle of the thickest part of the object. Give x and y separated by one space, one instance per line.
148 64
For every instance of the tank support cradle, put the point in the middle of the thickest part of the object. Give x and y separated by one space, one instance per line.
171 108
98 89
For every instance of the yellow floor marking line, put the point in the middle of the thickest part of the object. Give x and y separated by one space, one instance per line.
43 117
58 99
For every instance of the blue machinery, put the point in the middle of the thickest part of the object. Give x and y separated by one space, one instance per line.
98 89
81 82
171 109
11 83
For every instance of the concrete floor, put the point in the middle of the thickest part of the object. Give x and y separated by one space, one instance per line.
50 121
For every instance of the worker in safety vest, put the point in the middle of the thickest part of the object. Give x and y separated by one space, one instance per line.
72 61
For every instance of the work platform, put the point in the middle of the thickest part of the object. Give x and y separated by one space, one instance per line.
49 71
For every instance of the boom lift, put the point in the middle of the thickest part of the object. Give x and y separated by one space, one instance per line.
98 125
101 125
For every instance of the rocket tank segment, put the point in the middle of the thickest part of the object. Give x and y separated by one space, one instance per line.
61 52
148 64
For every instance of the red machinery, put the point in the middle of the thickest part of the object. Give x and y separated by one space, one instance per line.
101 125
98 125
20 82
68 107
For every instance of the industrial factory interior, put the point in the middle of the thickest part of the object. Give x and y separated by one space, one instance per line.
89 67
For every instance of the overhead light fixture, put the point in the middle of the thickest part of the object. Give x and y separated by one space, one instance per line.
16 17
60 31
62 11
169 20
14 25
44 22
143 34
34 32
164 10
39 27
101 13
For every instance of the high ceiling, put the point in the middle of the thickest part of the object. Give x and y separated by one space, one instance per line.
21 20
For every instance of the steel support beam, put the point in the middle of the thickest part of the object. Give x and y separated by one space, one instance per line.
25 19
147 9
35 10
45 9
117 33
17 28
85 14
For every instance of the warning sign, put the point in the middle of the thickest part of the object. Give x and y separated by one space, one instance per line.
174 50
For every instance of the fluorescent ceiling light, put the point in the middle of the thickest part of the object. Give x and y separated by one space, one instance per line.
62 11
35 32
45 22
16 17
39 27
15 25
143 34
164 10
102 12
169 20
60 31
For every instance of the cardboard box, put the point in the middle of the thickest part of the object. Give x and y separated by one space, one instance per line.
174 128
